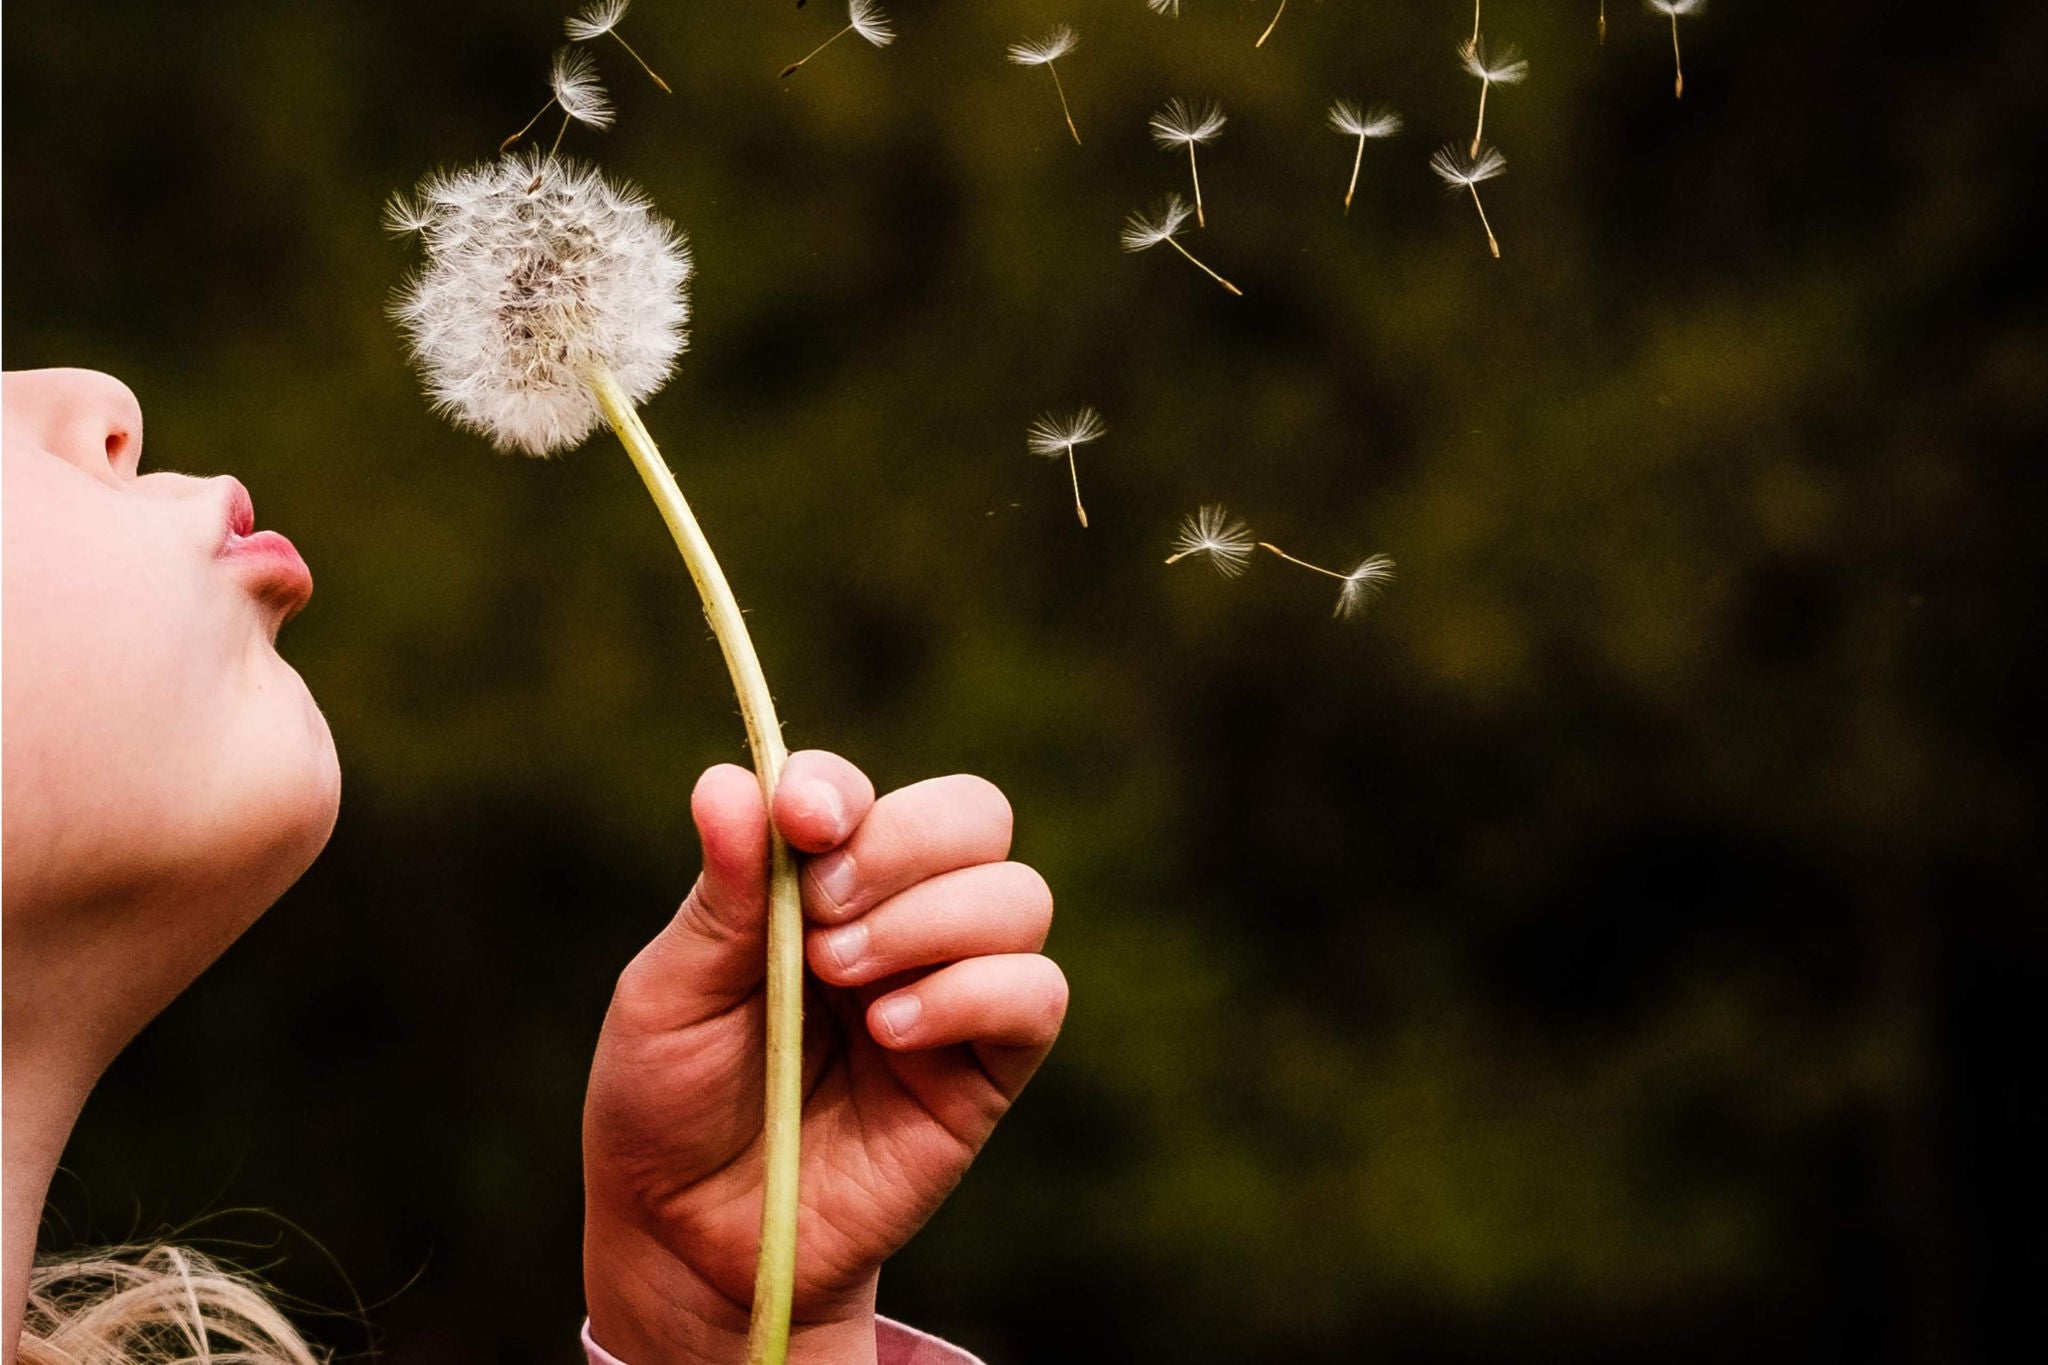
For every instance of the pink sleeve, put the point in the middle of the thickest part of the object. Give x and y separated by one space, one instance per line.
895 1344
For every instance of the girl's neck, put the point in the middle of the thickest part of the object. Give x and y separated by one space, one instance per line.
44 1093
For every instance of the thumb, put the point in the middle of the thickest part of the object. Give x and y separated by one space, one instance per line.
713 953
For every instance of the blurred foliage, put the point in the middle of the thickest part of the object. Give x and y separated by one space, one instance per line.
1621 942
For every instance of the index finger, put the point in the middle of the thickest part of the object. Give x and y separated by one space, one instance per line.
820 800
914 833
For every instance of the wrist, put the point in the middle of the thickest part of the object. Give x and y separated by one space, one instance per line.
647 1307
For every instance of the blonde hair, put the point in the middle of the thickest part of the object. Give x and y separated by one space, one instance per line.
160 1305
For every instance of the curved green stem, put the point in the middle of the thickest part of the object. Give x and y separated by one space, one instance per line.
775 1275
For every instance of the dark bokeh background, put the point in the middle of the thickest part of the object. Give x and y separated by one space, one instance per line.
1621 944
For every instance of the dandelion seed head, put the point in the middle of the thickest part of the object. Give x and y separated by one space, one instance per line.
865 17
1213 534
1379 121
1505 67
1046 50
1142 230
1362 585
1187 123
1053 436
522 293
1676 9
1170 8
595 20
1460 172
577 88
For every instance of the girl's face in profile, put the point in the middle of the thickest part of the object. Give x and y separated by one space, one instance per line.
154 741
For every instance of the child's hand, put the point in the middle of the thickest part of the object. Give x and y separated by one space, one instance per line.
935 1009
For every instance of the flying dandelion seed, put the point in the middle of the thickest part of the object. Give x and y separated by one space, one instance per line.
1185 124
1169 8
1674 10
1466 173
1359 586
1142 232
1364 583
1045 52
1504 68
600 17
1055 438
574 88
533 317
1272 24
1213 534
1473 44
1380 121
864 17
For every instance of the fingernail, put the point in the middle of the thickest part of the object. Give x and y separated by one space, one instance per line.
845 944
822 799
835 876
898 1014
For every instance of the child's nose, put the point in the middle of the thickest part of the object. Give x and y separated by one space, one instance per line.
90 419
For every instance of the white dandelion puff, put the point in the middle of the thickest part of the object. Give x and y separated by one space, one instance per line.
597 19
1045 52
1378 122
1505 67
1056 437
1189 124
1169 8
525 294
1362 585
1213 534
863 17
1674 10
1459 172
1143 231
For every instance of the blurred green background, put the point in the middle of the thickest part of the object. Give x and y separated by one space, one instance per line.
1624 942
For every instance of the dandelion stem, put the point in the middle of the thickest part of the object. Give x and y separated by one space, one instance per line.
1079 510
1677 60
1269 27
529 125
1063 102
1491 240
1603 23
556 146
1200 221
1485 84
1327 573
654 75
1475 25
775 1278
1206 271
1356 162
790 70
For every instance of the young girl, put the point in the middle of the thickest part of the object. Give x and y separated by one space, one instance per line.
167 776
